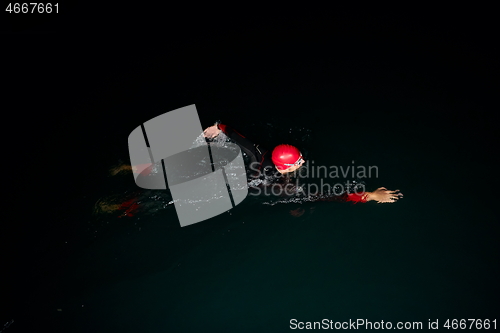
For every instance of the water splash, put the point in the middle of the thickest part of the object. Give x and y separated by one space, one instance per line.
219 141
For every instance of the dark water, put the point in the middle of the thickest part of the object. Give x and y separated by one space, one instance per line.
420 115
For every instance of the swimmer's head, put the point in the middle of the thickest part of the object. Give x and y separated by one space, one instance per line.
287 158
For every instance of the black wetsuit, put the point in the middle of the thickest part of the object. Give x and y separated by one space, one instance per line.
262 171
260 157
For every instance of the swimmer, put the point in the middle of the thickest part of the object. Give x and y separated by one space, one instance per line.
285 159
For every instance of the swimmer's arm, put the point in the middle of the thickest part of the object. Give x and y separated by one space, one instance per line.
246 145
214 130
344 197
383 195
380 195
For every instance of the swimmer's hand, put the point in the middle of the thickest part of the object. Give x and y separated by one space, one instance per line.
383 195
211 132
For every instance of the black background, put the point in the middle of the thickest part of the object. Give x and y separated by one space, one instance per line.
68 78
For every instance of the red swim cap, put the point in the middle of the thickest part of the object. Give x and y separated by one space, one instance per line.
284 156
